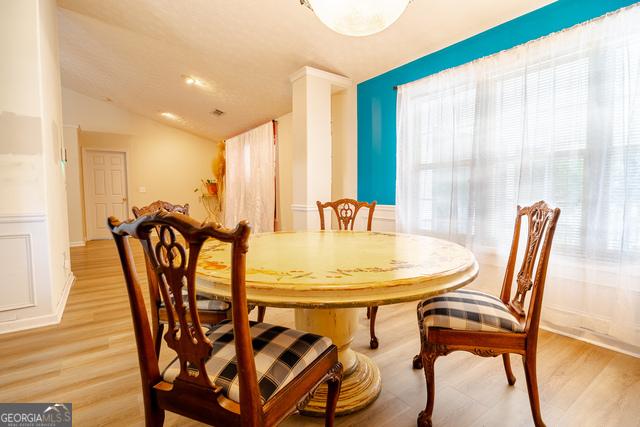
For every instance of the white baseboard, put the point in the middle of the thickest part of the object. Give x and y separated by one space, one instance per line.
77 244
304 208
594 341
62 302
41 321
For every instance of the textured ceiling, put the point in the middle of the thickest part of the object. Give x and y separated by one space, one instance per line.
134 52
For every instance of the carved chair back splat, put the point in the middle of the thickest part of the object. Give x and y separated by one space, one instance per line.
346 211
540 217
159 314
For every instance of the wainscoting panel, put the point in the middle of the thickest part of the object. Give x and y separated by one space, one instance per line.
17 264
26 299
384 219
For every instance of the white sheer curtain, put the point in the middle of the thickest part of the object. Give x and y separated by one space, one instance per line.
556 119
250 191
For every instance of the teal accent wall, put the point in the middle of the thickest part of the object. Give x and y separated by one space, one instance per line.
377 99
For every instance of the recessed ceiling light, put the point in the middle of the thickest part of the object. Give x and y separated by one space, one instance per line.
170 116
193 81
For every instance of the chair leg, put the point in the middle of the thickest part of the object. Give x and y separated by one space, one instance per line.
154 417
373 343
368 312
417 362
428 361
261 311
529 360
333 392
511 379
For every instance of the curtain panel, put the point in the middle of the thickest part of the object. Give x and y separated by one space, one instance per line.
556 119
250 192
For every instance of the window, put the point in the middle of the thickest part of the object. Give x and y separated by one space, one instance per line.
556 119
534 125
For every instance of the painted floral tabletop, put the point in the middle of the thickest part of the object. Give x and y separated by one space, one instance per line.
318 265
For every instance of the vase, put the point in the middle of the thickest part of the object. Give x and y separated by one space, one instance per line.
212 188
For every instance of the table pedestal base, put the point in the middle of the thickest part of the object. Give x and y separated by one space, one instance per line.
360 388
361 378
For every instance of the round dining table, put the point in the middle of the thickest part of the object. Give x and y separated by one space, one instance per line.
326 276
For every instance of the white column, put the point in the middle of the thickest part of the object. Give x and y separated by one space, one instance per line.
312 89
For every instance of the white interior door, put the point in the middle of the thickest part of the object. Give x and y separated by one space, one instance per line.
105 179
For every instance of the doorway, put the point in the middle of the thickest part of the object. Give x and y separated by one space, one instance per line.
105 190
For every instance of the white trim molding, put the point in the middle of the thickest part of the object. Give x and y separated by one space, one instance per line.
77 244
64 296
336 80
298 207
21 218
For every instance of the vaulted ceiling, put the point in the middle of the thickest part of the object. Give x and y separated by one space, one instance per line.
135 52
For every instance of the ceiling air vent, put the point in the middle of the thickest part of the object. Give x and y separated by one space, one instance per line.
217 112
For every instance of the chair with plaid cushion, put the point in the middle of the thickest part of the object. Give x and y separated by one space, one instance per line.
238 373
485 325
211 310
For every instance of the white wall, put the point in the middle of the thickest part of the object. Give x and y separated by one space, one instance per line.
285 170
21 167
34 255
74 186
167 162
344 144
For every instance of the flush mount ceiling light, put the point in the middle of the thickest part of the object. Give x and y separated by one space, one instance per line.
357 17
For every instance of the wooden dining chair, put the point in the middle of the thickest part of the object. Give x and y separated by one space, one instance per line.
485 325
160 205
211 310
346 211
238 373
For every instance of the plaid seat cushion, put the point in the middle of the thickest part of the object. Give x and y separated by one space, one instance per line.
205 303
467 310
280 355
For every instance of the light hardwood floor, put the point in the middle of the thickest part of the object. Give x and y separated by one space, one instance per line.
90 360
